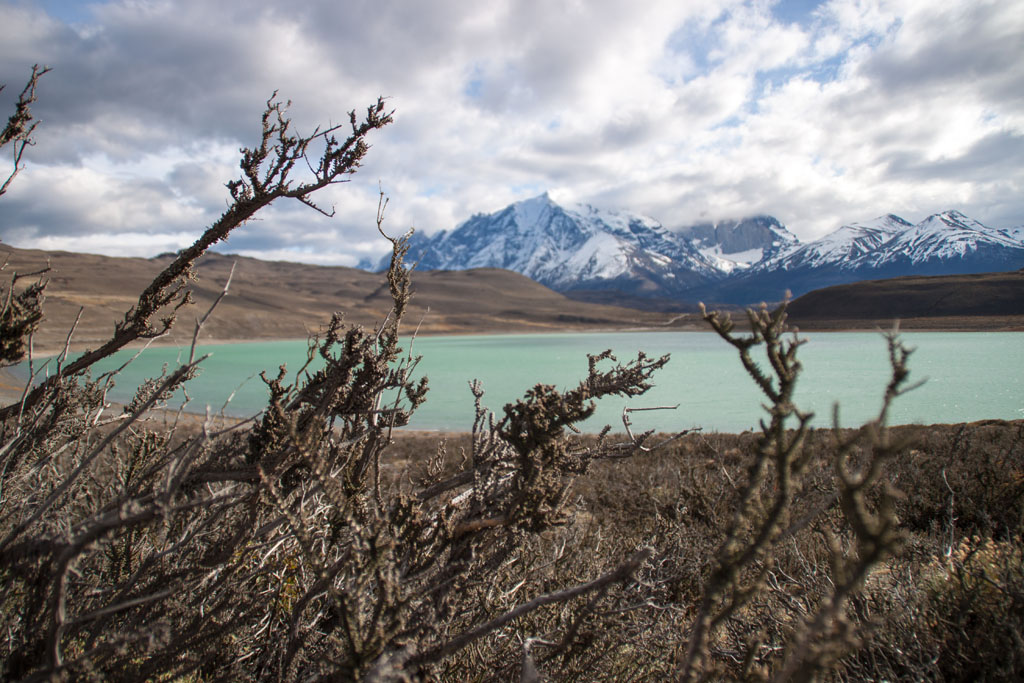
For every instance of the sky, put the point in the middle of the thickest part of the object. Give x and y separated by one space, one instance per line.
818 113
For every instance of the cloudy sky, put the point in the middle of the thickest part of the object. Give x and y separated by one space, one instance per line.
819 113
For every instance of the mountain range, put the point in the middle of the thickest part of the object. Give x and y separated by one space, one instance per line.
628 258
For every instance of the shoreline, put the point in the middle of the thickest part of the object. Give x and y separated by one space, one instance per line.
985 324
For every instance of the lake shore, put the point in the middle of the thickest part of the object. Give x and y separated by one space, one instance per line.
681 323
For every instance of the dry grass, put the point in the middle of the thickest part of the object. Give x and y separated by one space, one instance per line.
947 608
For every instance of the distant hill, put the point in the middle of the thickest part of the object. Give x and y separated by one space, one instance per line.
280 300
947 297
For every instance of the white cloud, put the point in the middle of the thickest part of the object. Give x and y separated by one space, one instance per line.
683 111
123 244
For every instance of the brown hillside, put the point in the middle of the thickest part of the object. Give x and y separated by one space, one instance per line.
979 301
280 300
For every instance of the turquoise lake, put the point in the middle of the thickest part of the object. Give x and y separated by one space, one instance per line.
969 376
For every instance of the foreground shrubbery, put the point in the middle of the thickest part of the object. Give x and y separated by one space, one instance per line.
311 543
231 588
948 607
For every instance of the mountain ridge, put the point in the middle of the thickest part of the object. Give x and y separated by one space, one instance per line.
567 248
596 254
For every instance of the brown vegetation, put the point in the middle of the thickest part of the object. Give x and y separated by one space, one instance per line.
18 130
313 544
946 608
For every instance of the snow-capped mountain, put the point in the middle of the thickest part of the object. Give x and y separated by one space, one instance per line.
592 253
949 241
838 247
943 244
735 245
578 247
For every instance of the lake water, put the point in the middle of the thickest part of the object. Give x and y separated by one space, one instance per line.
970 376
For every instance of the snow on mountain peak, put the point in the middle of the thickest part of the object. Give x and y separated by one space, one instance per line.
1016 233
532 211
889 223
951 220
582 247
942 236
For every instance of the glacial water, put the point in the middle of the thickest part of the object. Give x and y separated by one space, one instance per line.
969 376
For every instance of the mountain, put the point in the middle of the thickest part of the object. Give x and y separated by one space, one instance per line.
887 247
629 259
838 247
803 267
944 243
735 245
577 248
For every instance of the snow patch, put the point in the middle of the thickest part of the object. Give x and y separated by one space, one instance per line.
1015 233
728 263
600 257
530 211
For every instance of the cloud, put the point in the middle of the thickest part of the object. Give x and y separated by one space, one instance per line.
816 112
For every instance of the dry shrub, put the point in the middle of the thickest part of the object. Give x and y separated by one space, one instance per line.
314 543
276 550
969 477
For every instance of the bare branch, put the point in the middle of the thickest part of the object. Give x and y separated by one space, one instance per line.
265 179
21 125
621 573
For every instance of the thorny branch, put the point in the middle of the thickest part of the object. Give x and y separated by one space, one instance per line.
266 177
21 125
745 558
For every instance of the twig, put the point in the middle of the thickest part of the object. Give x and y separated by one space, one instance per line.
202 321
60 490
627 423
621 573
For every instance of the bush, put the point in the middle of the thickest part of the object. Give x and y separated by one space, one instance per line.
309 545
277 550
